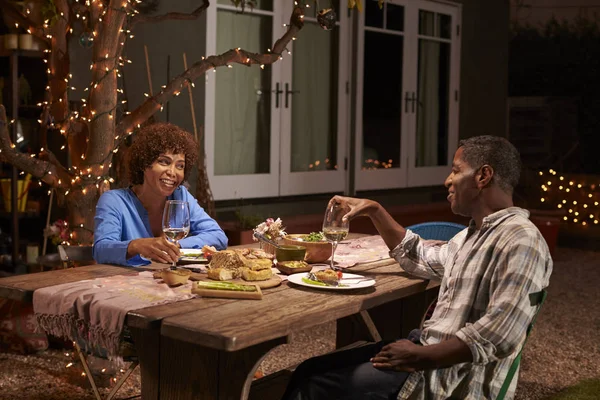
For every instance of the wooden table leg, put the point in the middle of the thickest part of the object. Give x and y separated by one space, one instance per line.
189 371
147 345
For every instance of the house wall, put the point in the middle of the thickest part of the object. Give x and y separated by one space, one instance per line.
484 68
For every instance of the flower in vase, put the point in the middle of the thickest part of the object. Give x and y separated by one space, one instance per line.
271 228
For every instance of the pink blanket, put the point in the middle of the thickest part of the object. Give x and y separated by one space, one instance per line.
361 250
95 309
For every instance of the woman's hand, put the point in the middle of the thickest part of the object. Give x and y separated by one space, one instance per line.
356 207
157 249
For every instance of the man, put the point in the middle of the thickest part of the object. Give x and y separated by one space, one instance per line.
487 272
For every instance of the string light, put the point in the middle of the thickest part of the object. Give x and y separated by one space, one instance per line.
581 194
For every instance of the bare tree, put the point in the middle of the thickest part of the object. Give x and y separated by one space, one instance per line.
94 135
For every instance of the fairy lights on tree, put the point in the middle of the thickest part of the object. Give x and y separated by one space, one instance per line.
96 132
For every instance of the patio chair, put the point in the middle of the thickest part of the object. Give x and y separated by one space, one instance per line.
70 257
437 230
536 300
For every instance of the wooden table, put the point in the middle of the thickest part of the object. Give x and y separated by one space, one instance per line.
210 348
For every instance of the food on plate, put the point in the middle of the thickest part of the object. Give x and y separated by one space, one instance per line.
314 237
259 264
328 276
293 267
220 274
253 254
249 264
227 290
317 251
293 264
228 259
174 277
254 275
208 250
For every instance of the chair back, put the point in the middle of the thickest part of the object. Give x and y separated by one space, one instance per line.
536 300
72 256
437 230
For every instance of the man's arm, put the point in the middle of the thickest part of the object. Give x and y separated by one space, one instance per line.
407 356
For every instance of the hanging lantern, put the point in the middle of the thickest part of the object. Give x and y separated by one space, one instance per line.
326 18
86 39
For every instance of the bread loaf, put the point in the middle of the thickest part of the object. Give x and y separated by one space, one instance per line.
262 275
230 260
220 274
259 264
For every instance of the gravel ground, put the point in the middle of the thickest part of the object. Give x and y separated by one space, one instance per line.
562 350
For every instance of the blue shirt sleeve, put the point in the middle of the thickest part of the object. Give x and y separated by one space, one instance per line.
203 229
109 246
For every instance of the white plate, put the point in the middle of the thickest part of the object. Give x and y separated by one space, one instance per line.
192 255
352 281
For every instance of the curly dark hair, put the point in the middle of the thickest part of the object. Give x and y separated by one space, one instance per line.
156 139
498 153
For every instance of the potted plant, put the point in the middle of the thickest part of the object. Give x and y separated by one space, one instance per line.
240 231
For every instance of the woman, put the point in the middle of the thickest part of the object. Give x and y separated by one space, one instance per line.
129 221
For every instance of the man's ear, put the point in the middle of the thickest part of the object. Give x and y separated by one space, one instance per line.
484 176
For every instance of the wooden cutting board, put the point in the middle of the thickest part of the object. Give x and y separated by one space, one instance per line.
274 281
227 294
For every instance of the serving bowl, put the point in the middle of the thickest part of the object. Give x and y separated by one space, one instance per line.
316 252
290 252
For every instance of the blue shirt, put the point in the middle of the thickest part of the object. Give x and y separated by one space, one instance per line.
121 217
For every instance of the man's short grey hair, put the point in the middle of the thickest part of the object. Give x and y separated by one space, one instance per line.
498 153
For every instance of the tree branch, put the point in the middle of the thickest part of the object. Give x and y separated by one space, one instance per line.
237 56
43 170
140 19
9 10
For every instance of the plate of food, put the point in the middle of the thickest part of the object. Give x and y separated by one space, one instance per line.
192 256
331 280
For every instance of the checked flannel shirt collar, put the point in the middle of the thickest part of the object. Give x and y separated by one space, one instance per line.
486 278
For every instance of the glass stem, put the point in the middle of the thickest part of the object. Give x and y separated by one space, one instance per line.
333 247
175 262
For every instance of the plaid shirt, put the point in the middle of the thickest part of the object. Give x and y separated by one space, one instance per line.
487 276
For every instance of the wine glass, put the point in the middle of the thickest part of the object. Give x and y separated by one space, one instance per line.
335 229
176 220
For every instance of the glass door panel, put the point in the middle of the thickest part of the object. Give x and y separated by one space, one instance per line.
382 114
314 109
242 98
433 94
381 122
242 152
436 121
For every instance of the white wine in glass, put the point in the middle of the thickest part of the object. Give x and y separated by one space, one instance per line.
335 229
176 220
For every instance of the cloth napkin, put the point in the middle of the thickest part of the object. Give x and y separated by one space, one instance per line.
95 309
361 250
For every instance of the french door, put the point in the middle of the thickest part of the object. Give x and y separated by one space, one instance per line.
280 130
408 79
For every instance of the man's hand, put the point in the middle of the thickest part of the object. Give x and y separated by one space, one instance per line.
355 207
157 249
402 355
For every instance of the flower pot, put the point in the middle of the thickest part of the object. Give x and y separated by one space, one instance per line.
238 236
548 223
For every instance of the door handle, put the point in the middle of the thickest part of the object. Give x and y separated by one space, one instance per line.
277 92
413 100
406 100
288 92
